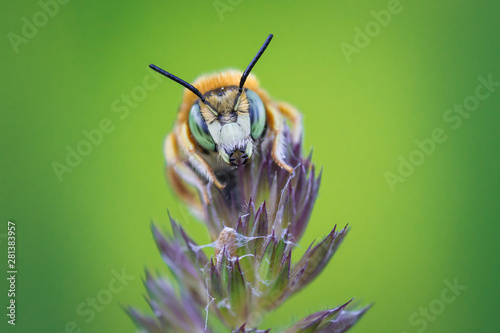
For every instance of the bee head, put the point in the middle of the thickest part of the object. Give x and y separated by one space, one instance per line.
227 119
229 122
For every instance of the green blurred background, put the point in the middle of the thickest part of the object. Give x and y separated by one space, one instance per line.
362 112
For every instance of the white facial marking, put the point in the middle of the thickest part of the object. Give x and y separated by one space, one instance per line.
244 122
231 134
215 129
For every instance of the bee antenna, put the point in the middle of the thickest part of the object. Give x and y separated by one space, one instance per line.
179 80
254 61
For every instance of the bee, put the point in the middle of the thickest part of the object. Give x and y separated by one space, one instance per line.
223 119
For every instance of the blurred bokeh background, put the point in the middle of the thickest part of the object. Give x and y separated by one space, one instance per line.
374 79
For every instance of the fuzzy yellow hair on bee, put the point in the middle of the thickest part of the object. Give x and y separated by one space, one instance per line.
222 121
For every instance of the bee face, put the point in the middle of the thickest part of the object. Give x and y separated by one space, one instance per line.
229 122
222 121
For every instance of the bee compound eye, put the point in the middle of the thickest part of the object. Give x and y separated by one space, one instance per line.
199 128
257 114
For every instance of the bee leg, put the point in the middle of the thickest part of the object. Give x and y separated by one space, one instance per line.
180 174
295 117
185 143
276 124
